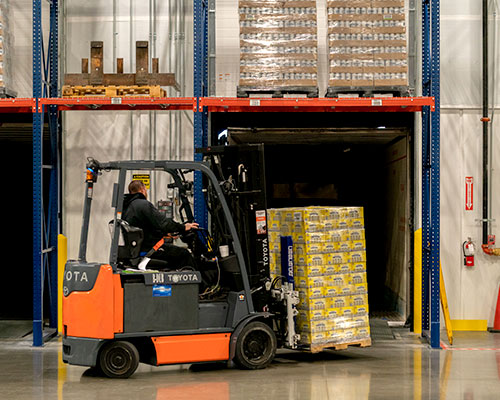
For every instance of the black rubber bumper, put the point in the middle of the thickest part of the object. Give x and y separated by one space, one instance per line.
81 351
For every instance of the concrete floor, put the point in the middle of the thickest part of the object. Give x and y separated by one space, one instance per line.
390 369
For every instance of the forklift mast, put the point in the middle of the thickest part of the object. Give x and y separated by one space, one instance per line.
241 172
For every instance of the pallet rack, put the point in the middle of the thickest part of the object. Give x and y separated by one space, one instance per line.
46 104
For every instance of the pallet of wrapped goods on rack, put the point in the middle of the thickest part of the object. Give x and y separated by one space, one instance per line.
367 45
329 246
278 48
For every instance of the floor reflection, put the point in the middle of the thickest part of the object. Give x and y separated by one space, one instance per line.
388 370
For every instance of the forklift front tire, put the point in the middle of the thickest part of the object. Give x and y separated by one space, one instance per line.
119 359
256 346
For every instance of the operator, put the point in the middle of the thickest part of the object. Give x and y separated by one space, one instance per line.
141 213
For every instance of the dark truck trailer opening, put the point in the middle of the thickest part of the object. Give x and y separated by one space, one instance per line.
355 166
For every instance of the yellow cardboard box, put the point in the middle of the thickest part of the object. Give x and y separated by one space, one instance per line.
347 312
357 256
332 313
330 225
357 277
316 237
360 288
312 315
343 268
343 246
316 259
311 293
346 290
316 281
312 326
338 258
328 247
309 271
358 267
332 291
330 269
361 310
363 333
357 245
356 223
344 224
357 234
313 338
340 280
312 304
340 302
313 214
354 212
359 300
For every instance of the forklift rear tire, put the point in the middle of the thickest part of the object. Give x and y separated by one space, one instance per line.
119 359
255 346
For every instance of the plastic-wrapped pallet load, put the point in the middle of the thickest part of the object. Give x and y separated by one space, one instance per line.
330 271
278 47
367 44
4 49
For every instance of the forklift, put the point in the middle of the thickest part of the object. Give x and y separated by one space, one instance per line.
117 315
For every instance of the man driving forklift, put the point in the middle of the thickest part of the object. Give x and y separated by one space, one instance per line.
141 213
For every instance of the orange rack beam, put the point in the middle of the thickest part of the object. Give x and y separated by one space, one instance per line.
362 104
121 103
222 104
17 105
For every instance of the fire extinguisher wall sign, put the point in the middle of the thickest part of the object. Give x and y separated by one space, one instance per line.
469 193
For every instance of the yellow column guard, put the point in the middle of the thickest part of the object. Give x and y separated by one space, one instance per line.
62 257
417 282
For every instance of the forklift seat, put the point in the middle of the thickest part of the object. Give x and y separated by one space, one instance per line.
129 242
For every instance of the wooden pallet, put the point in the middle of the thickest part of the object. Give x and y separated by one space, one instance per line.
396 91
317 348
278 92
113 91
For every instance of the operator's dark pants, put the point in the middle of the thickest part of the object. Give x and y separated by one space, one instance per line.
175 257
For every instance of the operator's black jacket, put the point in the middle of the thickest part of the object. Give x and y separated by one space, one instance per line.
139 212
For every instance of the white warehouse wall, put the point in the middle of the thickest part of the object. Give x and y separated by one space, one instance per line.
471 292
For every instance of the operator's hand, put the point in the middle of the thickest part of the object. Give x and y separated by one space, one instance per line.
191 225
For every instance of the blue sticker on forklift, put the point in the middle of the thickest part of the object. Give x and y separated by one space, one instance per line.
162 290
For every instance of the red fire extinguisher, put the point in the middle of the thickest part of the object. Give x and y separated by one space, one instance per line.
468 248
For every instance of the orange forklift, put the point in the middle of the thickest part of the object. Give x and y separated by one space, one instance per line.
117 314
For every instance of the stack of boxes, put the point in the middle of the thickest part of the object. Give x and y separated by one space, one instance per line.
330 271
367 43
278 44
4 47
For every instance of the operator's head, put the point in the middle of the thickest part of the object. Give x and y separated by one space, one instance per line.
137 187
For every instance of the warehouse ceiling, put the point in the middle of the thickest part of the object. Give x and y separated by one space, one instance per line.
315 135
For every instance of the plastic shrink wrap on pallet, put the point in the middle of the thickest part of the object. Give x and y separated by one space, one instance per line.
5 49
367 43
278 43
329 271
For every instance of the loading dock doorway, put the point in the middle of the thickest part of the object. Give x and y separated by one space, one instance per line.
368 167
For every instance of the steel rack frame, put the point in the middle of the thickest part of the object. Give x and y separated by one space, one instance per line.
46 220
431 173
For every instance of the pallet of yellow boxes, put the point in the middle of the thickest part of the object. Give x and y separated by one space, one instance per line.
329 271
